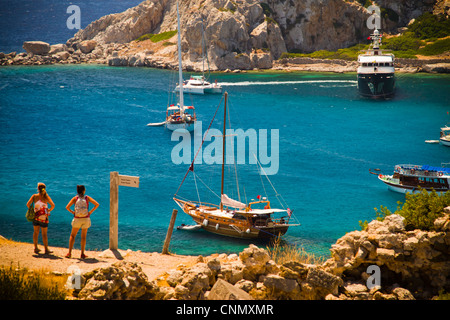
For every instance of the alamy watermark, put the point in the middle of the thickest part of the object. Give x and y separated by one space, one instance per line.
237 143
74 279
374 21
374 279
74 20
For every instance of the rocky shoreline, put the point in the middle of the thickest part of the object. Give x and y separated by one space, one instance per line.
89 52
411 265
239 35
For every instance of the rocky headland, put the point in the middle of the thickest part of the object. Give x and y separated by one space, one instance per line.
385 261
411 265
239 35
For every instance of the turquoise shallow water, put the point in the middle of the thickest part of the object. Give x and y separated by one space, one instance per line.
69 125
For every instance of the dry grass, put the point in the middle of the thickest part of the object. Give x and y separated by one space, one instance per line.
282 252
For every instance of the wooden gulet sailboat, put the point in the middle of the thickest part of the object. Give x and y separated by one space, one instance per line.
233 218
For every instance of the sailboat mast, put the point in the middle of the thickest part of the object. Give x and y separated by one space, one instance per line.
223 147
180 72
203 54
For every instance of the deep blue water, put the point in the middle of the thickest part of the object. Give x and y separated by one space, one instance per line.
46 20
69 125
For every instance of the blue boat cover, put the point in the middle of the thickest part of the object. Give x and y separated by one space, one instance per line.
437 169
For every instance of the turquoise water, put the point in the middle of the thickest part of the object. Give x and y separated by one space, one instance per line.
69 125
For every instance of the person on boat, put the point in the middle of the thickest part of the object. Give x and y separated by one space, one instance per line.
42 212
81 218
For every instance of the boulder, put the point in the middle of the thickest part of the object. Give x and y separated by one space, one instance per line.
36 47
281 288
120 281
55 48
63 55
87 46
403 294
254 260
223 290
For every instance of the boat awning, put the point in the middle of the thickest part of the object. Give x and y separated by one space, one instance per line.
437 169
262 211
445 129
173 108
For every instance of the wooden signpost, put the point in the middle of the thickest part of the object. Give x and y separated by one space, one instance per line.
116 180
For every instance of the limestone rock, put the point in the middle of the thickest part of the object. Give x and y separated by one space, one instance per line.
125 26
63 55
254 260
281 287
55 48
403 294
120 281
223 290
36 47
87 46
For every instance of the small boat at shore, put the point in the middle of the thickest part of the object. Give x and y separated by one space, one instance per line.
445 136
413 178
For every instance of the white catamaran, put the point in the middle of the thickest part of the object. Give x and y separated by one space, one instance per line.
199 84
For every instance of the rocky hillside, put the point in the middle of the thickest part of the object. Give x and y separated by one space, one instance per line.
238 34
243 34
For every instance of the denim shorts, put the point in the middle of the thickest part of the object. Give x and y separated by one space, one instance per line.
40 224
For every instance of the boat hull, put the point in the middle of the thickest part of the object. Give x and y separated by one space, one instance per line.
227 223
180 125
376 85
212 89
200 89
191 90
397 187
236 231
445 141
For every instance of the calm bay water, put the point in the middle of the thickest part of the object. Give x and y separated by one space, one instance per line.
69 125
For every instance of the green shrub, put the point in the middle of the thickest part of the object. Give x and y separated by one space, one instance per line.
157 37
419 210
438 47
350 53
429 26
402 43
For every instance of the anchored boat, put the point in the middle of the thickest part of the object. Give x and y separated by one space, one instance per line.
412 178
178 116
376 73
233 218
445 136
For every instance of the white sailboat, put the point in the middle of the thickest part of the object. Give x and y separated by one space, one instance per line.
179 116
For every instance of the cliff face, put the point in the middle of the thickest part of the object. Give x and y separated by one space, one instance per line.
245 34
319 25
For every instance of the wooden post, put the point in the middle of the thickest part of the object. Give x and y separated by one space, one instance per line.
113 210
169 232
